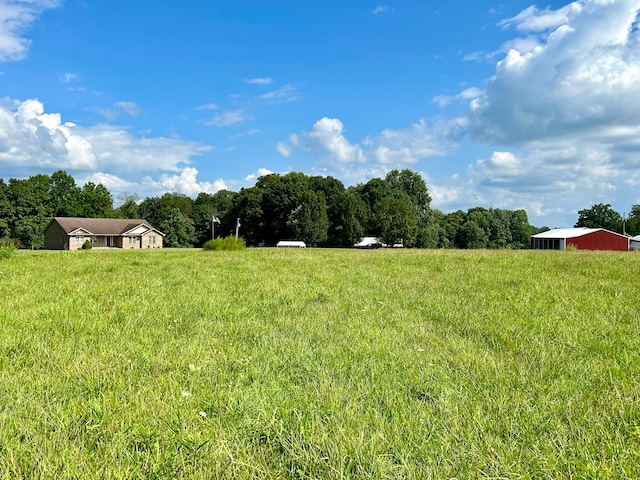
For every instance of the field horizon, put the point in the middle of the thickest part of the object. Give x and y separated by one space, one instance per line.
320 363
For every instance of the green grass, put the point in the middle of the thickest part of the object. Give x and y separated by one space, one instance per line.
269 363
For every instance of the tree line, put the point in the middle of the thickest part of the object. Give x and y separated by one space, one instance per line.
321 211
602 215
318 210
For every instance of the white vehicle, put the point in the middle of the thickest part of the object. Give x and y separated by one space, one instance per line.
291 244
369 243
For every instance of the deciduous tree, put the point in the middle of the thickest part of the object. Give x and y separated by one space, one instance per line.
31 209
309 221
396 220
5 211
65 195
178 229
348 215
95 201
600 216
632 226
129 207
247 206
206 206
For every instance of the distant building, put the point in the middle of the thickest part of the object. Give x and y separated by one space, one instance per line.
70 233
634 243
581 238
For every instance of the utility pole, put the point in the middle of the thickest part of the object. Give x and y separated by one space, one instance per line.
237 227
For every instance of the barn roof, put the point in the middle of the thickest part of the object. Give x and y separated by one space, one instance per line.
571 232
101 226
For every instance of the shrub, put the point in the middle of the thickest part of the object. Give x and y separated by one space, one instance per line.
227 243
7 248
87 245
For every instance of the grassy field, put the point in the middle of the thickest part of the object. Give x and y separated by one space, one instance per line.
312 363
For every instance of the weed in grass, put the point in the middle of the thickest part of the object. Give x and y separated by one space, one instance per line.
7 248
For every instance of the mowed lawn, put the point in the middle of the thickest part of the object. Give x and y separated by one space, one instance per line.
315 363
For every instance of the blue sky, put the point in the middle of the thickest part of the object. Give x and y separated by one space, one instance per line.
504 105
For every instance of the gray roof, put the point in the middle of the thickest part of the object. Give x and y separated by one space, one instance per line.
102 226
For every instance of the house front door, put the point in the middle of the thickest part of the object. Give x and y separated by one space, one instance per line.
109 241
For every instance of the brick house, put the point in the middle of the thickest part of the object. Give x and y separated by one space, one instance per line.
70 233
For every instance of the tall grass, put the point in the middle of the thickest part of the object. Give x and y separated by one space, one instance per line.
7 248
226 244
269 363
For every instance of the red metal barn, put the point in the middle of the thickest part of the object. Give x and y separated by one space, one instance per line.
580 238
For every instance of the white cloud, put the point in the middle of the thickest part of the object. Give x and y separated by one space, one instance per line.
380 9
129 107
118 149
261 172
286 93
228 118
579 168
504 160
259 81
467 94
287 148
581 74
247 106
30 137
185 183
16 16
534 20
562 111
351 174
112 182
443 195
401 147
327 137
284 149
551 183
68 77
390 148
474 56
33 139
375 156
247 133
208 106
111 114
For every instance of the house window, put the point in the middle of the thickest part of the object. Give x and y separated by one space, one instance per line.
152 239
132 240
94 239
79 239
